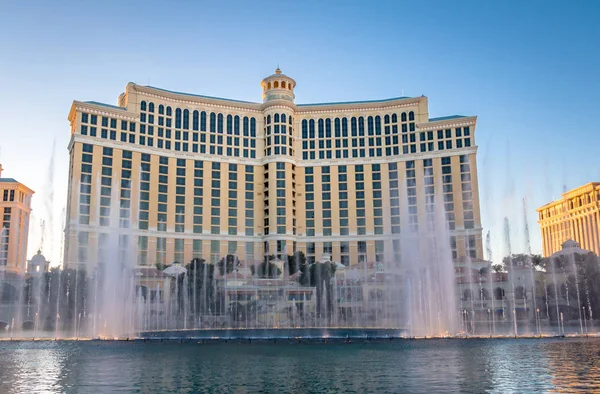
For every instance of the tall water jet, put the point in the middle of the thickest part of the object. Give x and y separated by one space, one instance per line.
530 264
511 272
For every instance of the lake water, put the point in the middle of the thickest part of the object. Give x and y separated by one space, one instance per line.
403 366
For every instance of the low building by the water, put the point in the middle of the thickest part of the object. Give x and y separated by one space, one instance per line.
38 264
491 301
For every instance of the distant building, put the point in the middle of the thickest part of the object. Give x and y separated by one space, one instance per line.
38 264
576 216
15 208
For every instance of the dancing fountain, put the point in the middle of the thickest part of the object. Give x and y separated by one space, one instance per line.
424 293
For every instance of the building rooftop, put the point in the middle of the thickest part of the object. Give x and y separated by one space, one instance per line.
106 105
8 180
355 102
251 102
585 188
199 95
446 118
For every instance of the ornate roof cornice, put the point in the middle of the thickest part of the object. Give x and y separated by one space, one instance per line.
358 107
102 110
442 124
189 99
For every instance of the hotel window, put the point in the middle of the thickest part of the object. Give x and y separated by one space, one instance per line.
379 251
377 198
394 191
467 193
429 193
411 191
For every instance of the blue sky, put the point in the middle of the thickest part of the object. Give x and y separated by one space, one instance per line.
528 70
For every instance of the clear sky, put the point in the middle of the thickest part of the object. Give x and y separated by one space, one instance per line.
528 69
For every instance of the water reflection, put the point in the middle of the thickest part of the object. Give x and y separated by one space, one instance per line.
495 366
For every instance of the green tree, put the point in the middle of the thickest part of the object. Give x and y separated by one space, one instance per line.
522 259
321 276
200 286
228 264
297 262
266 269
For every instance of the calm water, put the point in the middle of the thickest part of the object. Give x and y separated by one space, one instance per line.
431 366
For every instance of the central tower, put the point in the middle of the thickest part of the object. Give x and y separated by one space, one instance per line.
278 86
279 164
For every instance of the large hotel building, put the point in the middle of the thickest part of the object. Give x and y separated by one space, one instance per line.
181 175
15 209
575 216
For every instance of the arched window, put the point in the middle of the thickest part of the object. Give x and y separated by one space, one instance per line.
394 118
290 119
370 125
344 127
361 126
229 124
9 293
411 115
551 291
304 129
169 111
268 85
378 125
467 295
276 118
252 127
354 127
403 117
484 294
321 129
236 125
282 84
268 119
178 118
246 126
276 84
499 293
143 105
311 128
151 107
203 121
564 290
290 86
195 120
337 129
161 109
328 128
386 119
220 123
520 293
186 119
282 118
213 122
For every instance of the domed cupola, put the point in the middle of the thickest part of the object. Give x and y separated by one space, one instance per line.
278 87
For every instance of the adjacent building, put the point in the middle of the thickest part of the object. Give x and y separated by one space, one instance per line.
576 216
15 208
166 176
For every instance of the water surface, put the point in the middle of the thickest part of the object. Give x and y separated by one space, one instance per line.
404 366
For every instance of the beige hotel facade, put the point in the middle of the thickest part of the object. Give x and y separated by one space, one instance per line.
575 216
15 210
180 175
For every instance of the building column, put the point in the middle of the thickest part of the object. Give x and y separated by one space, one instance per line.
593 228
588 230
581 232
